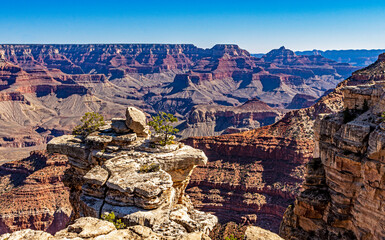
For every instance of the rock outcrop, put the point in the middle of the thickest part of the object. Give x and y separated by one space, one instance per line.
344 187
95 229
141 182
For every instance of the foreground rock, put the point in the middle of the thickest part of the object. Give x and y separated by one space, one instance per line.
345 187
141 182
257 233
95 229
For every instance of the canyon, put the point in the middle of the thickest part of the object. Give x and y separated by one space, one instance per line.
251 176
45 89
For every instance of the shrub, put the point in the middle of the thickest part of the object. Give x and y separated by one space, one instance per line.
153 167
231 237
161 124
111 218
91 122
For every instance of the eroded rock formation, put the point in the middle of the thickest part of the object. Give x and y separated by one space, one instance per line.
127 173
33 194
211 120
253 176
344 188
45 89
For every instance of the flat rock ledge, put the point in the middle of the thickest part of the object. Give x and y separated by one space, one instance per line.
117 170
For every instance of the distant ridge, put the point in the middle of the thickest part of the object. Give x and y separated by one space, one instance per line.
360 58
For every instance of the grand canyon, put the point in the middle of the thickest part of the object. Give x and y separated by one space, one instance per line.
283 143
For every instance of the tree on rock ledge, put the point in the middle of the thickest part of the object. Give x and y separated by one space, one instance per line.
91 122
161 124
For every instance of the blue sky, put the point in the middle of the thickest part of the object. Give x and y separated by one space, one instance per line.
257 26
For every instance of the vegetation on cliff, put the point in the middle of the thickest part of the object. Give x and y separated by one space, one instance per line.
91 122
162 126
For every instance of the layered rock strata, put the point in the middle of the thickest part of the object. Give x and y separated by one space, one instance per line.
45 89
33 195
344 188
211 120
122 171
252 177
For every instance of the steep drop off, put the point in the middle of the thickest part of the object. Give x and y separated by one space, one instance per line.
344 188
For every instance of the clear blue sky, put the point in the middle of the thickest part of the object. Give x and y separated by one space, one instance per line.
257 26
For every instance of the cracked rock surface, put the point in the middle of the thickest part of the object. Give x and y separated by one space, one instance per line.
126 172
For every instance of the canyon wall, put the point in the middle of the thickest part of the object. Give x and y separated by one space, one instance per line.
45 89
33 194
344 187
251 177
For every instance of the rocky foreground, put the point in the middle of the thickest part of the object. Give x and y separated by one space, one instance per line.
96 229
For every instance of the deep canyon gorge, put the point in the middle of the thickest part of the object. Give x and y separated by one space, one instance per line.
272 128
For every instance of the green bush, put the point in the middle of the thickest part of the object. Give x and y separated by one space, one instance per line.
231 237
111 218
91 122
153 167
161 124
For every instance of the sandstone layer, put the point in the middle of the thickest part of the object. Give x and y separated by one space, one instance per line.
344 188
45 89
33 194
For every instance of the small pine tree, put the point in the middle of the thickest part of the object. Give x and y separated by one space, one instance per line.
112 218
91 122
161 124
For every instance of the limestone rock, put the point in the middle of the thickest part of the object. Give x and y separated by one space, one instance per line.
27 234
136 121
119 125
257 233
116 171
87 227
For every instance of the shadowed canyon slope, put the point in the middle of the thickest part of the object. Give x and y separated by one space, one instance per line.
44 89
253 176
33 195
344 189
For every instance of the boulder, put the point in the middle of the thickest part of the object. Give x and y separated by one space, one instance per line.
136 121
257 233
